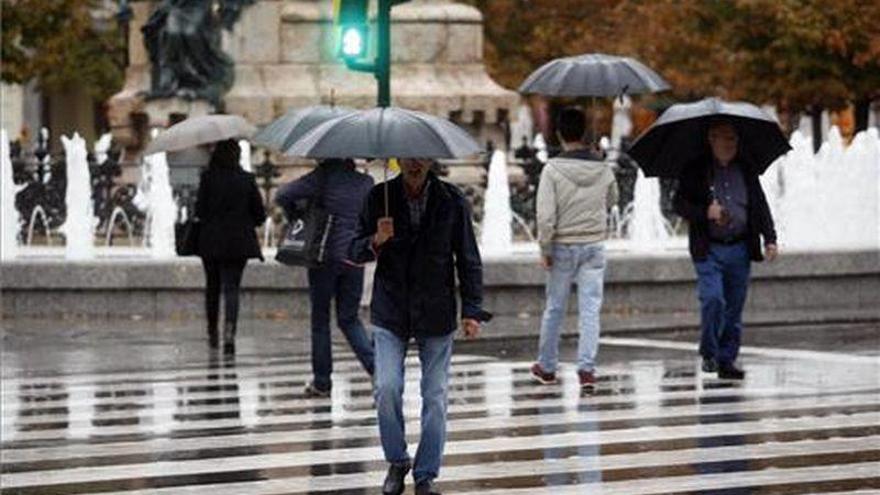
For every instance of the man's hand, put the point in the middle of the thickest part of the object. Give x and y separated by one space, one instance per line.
716 212
471 327
384 231
546 262
771 251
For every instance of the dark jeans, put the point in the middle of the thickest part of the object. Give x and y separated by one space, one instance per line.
225 275
345 284
722 283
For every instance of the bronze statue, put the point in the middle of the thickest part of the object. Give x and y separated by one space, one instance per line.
182 38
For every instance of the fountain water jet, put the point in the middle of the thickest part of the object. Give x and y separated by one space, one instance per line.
646 226
11 218
162 210
245 158
827 200
120 213
79 224
496 238
38 211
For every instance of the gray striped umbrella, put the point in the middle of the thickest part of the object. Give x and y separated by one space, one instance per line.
382 133
593 74
296 123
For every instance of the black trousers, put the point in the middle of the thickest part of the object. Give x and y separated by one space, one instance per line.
222 275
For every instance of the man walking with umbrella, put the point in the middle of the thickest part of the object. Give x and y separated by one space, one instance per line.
717 150
419 230
727 212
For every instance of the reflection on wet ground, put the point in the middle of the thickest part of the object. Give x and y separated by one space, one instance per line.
801 422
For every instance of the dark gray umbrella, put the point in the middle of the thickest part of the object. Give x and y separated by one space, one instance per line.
593 74
281 133
383 133
679 136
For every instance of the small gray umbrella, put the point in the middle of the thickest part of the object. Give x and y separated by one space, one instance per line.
593 74
383 133
195 131
287 129
679 136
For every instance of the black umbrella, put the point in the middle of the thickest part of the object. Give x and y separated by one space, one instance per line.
679 136
593 74
296 123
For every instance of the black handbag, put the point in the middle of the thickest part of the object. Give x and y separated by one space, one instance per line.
308 229
186 237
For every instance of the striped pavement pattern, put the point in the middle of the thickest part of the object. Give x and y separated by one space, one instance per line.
243 427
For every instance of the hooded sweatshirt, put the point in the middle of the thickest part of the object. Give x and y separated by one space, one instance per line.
574 196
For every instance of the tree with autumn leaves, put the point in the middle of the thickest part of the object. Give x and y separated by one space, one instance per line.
60 43
800 55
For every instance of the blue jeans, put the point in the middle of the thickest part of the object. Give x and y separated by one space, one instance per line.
583 264
345 284
434 354
722 283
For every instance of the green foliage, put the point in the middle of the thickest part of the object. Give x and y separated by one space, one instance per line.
60 43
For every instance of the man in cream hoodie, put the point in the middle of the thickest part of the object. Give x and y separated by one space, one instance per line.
576 191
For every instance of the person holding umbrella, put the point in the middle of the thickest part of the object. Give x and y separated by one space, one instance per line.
418 229
724 148
229 208
337 185
426 238
340 186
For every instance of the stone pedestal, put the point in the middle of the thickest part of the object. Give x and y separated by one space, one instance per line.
283 51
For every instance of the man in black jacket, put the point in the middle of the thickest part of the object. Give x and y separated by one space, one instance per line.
727 214
421 235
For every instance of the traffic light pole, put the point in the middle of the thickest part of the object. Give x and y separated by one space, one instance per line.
381 64
383 55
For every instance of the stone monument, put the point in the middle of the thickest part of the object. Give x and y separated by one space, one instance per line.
283 58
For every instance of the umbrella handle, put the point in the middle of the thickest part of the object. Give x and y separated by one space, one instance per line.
385 182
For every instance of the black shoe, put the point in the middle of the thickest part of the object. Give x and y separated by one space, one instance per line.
229 338
394 481
426 488
311 391
710 365
730 372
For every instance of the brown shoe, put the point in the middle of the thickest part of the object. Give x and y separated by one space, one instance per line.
542 376
587 379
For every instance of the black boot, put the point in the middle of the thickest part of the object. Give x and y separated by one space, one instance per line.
213 335
229 338
394 481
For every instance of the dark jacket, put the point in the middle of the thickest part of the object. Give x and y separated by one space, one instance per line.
344 192
414 287
230 208
692 202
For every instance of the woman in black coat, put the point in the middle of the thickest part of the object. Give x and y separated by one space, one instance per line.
229 208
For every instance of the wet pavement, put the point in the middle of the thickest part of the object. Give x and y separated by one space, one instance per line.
142 407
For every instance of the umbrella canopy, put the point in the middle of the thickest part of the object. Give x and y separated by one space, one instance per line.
386 132
593 74
296 123
195 131
679 136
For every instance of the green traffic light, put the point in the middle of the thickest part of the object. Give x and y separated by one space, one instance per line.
352 42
